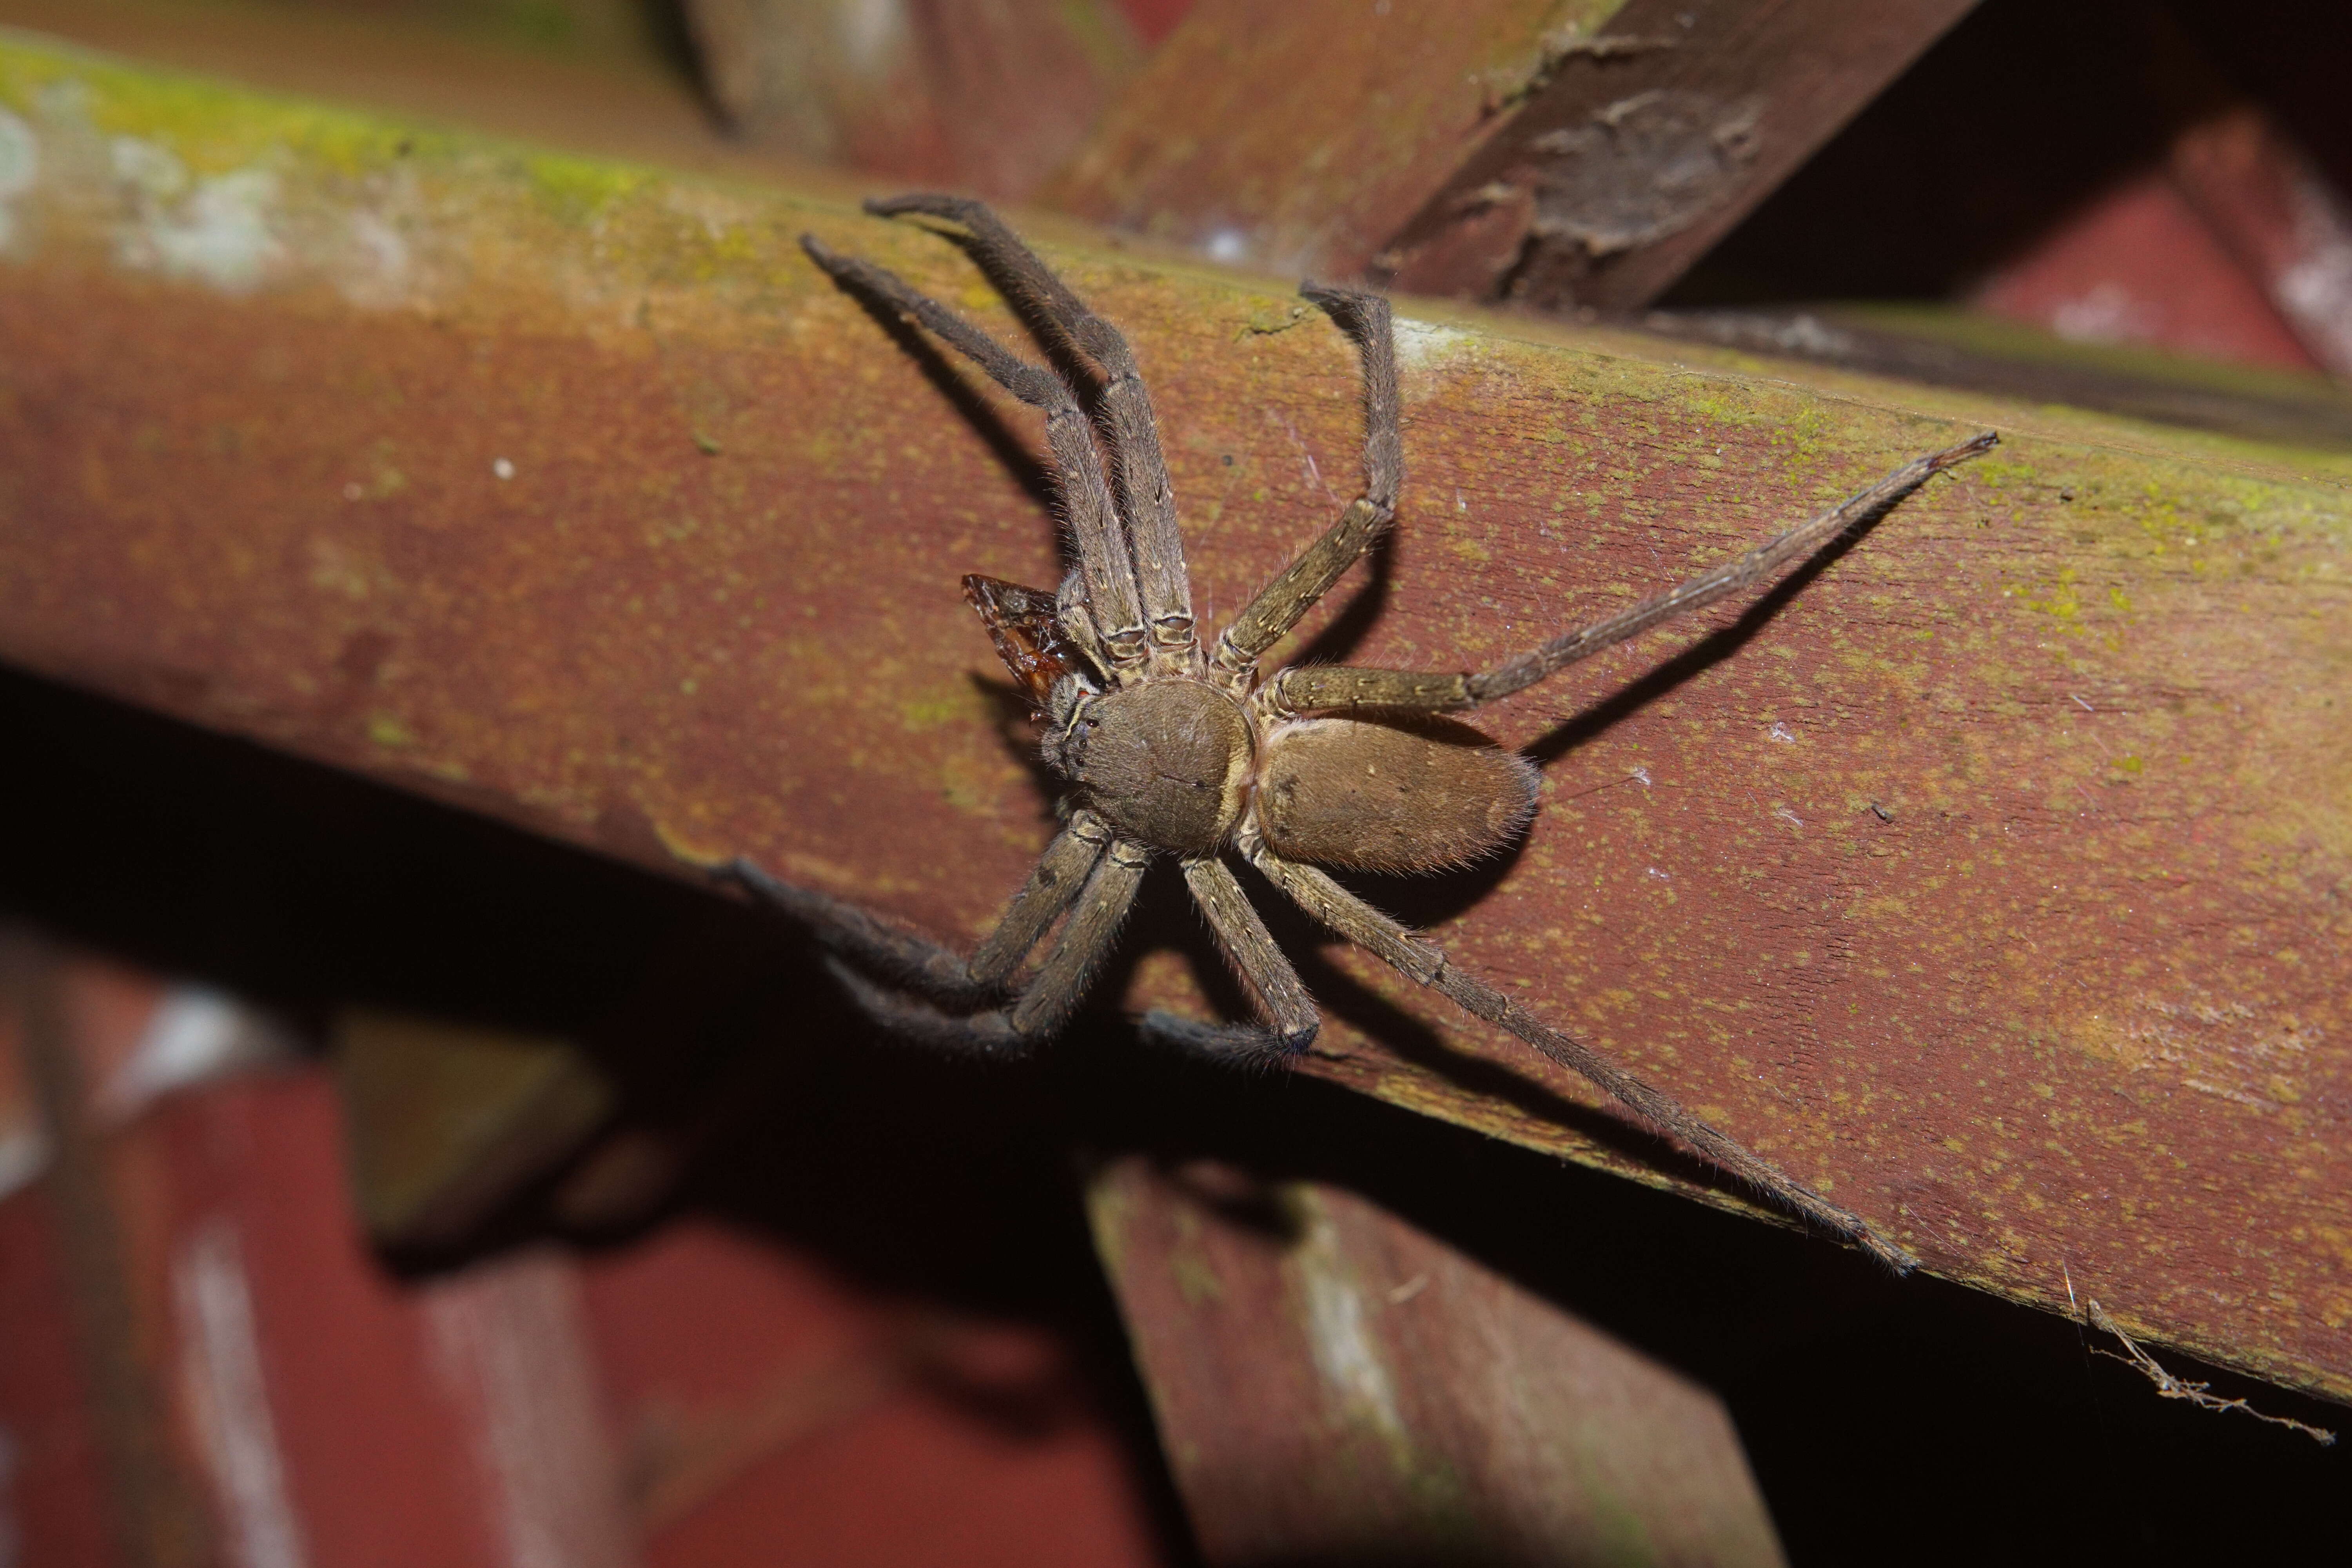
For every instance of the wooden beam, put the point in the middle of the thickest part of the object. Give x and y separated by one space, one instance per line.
1559 155
1333 1385
1629 162
1989 877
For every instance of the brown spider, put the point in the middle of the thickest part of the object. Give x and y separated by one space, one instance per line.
1176 750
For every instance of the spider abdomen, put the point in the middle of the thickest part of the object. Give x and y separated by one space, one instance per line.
1386 797
1166 761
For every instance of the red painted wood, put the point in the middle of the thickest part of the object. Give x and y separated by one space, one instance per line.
52 1487
779 1414
2139 266
2274 211
1334 1385
762 1410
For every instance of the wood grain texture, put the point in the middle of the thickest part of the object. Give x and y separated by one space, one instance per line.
1991 879
1333 1385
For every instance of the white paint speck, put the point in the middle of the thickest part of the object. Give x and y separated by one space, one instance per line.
1779 732
502 468
1418 342
1661 876
1787 816
196 1036
2316 289
1640 776
868 30
220 1366
24 1155
218 233
1341 1342
2107 313
381 252
1226 245
148 169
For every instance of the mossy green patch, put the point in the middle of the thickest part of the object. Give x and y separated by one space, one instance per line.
212 127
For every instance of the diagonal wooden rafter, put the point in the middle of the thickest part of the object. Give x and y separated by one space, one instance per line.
1584 153
1991 878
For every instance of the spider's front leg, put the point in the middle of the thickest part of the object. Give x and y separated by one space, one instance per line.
1279 606
1305 689
1148 501
1087 870
1106 560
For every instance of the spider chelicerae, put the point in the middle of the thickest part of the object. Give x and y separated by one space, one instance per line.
1173 748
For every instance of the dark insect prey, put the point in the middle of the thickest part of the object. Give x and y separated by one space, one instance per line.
1173 748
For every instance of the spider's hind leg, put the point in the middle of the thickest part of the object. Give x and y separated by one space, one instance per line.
908 1017
850 934
1291 1022
1084 871
1418 959
1236 1044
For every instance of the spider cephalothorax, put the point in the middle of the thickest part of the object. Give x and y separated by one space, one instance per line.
1173 748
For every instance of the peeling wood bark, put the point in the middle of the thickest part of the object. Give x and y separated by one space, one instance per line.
1562 154
1629 163
1334 1386
1992 879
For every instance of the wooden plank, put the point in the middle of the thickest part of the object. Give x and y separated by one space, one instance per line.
1562 154
1631 162
261 1389
1989 877
2279 217
1333 1385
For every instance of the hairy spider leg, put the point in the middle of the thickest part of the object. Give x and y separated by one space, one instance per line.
1085 871
1278 606
1133 434
1106 561
922 963
1319 688
1424 962
1260 964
